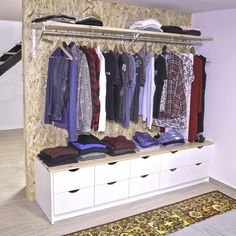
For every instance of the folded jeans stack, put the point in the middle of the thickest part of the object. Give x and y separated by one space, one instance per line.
119 145
59 156
171 137
145 141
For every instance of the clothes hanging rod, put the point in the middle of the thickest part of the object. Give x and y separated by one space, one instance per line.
121 37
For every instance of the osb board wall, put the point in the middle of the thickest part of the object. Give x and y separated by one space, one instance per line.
38 135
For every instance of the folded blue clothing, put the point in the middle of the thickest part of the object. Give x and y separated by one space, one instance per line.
145 140
81 146
170 137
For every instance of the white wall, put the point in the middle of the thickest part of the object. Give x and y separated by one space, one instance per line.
220 118
11 83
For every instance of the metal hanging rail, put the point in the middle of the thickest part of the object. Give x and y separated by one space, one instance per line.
98 32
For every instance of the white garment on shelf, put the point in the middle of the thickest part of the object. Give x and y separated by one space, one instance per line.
147 23
102 93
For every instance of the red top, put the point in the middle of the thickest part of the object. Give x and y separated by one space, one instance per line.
196 99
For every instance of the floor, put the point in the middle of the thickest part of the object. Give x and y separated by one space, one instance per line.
21 217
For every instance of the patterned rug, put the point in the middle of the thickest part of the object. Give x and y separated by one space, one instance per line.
167 219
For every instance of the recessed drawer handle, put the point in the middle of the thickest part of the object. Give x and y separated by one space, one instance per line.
146 157
74 191
198 164
144 176
73 170
112 163
173 152
111 183
174 169
199 147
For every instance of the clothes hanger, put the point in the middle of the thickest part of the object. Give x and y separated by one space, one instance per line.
61 46
105 47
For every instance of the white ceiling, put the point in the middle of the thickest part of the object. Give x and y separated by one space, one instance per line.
12 10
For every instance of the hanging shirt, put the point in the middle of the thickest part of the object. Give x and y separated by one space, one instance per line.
94 68
84 99
175 104
201 114
147 93
57 80
102 93
134 109
112 84
160 77
188 79
196 99
124 65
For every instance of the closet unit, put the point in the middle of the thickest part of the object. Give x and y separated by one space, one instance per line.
75 189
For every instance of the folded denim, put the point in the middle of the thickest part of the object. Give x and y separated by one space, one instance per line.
145 140
170 137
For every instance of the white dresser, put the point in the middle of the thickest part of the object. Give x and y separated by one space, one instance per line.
71 190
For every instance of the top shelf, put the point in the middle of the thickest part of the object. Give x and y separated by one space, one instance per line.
87 31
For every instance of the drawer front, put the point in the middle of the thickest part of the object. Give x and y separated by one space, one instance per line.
73 179
174 160
73 201
174 176
144 184
111 192
198 155
199 171
144 165
111 172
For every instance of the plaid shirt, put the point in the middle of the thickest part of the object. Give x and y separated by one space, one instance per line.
94 70
175 99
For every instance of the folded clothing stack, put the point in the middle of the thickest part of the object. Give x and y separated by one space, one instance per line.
189 30
145 141
172 29
147 24
59 156
90 20
171 137
119 145
89 147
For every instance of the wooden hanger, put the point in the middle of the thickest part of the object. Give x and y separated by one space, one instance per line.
61 46
105 47
192 50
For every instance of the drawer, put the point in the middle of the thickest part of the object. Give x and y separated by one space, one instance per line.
199 170
198 155
111 192
73 179
73 200
174 160
144 184
111 172
174 176
144 165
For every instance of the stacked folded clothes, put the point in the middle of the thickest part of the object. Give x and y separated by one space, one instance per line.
119 145
89 147
189 30
172 29
59 156
145 141
171 137
90 20
147 24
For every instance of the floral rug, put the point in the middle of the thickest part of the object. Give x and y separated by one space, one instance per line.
167 219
